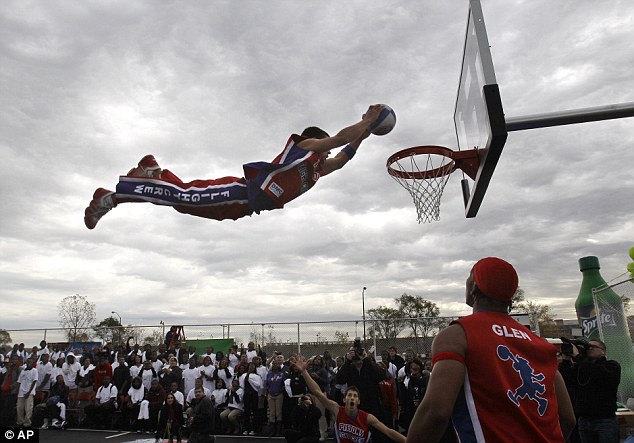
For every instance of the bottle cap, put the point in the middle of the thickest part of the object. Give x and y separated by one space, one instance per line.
590 262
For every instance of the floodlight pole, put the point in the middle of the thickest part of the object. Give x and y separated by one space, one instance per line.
363 307
119 332
573 116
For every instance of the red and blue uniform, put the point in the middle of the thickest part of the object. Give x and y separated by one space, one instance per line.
293 172
509 387
352 429
266 186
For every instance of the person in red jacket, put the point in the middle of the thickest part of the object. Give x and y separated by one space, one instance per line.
102 370
387 386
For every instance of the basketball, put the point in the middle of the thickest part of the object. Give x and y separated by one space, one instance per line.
385 121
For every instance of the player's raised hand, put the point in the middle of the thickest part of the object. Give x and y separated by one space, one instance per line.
372 113
300 364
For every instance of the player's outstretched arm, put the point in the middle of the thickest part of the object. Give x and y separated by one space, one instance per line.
432 416
388 432
346 135
314 388
344 156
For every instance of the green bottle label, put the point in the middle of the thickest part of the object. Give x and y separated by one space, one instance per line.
588 321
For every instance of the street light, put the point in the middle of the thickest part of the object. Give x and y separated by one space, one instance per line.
120 322
363 307
119 331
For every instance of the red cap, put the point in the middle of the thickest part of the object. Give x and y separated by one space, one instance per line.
496 278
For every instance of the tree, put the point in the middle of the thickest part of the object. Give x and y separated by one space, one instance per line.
76 315
155 339
342 337
541 317
387 322
5 337
422 315
110 330
264 338
518 298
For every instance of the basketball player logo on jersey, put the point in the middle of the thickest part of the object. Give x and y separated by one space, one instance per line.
530 382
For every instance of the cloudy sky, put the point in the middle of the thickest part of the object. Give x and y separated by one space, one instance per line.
88 88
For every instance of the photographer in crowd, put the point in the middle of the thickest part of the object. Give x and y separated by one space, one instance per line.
593 381
304 422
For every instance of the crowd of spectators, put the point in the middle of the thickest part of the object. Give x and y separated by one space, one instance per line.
172 390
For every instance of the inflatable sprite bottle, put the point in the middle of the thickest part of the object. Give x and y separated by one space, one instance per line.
610 319
586 311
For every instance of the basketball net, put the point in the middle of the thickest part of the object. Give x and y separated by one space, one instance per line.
426 192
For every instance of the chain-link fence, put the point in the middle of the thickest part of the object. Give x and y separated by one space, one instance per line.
306 338
614 331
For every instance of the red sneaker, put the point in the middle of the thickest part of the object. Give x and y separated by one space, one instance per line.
102 202
148 167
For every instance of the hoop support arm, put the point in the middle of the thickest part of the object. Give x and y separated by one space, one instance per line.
468 161
573 116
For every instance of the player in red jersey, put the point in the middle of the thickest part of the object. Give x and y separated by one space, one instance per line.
265 186
496 379
351 423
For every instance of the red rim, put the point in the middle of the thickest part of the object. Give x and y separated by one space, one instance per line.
422 150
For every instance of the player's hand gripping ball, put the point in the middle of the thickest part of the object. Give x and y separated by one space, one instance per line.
385 122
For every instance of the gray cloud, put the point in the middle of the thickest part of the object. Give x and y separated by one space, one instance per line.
88 89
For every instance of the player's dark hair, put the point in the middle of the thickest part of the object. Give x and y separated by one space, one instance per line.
314 132
355 389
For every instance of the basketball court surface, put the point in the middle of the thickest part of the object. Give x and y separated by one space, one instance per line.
90 436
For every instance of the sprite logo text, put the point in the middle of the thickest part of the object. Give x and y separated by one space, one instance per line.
590 324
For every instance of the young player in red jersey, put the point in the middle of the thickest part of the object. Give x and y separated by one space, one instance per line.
265 186
496 379
351 423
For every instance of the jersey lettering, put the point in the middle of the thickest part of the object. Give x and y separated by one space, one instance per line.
504 331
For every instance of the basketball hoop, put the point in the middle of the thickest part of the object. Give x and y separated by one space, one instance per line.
424 171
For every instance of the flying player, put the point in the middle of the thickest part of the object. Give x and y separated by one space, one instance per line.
351 423
265 186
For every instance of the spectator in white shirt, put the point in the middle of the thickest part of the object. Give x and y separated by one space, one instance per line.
57 353
44 373
70 368
43 350
100 412
210 353
207 373
27 381
136 367
190 374
251 351
178 395
224 372
57 369
231 415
